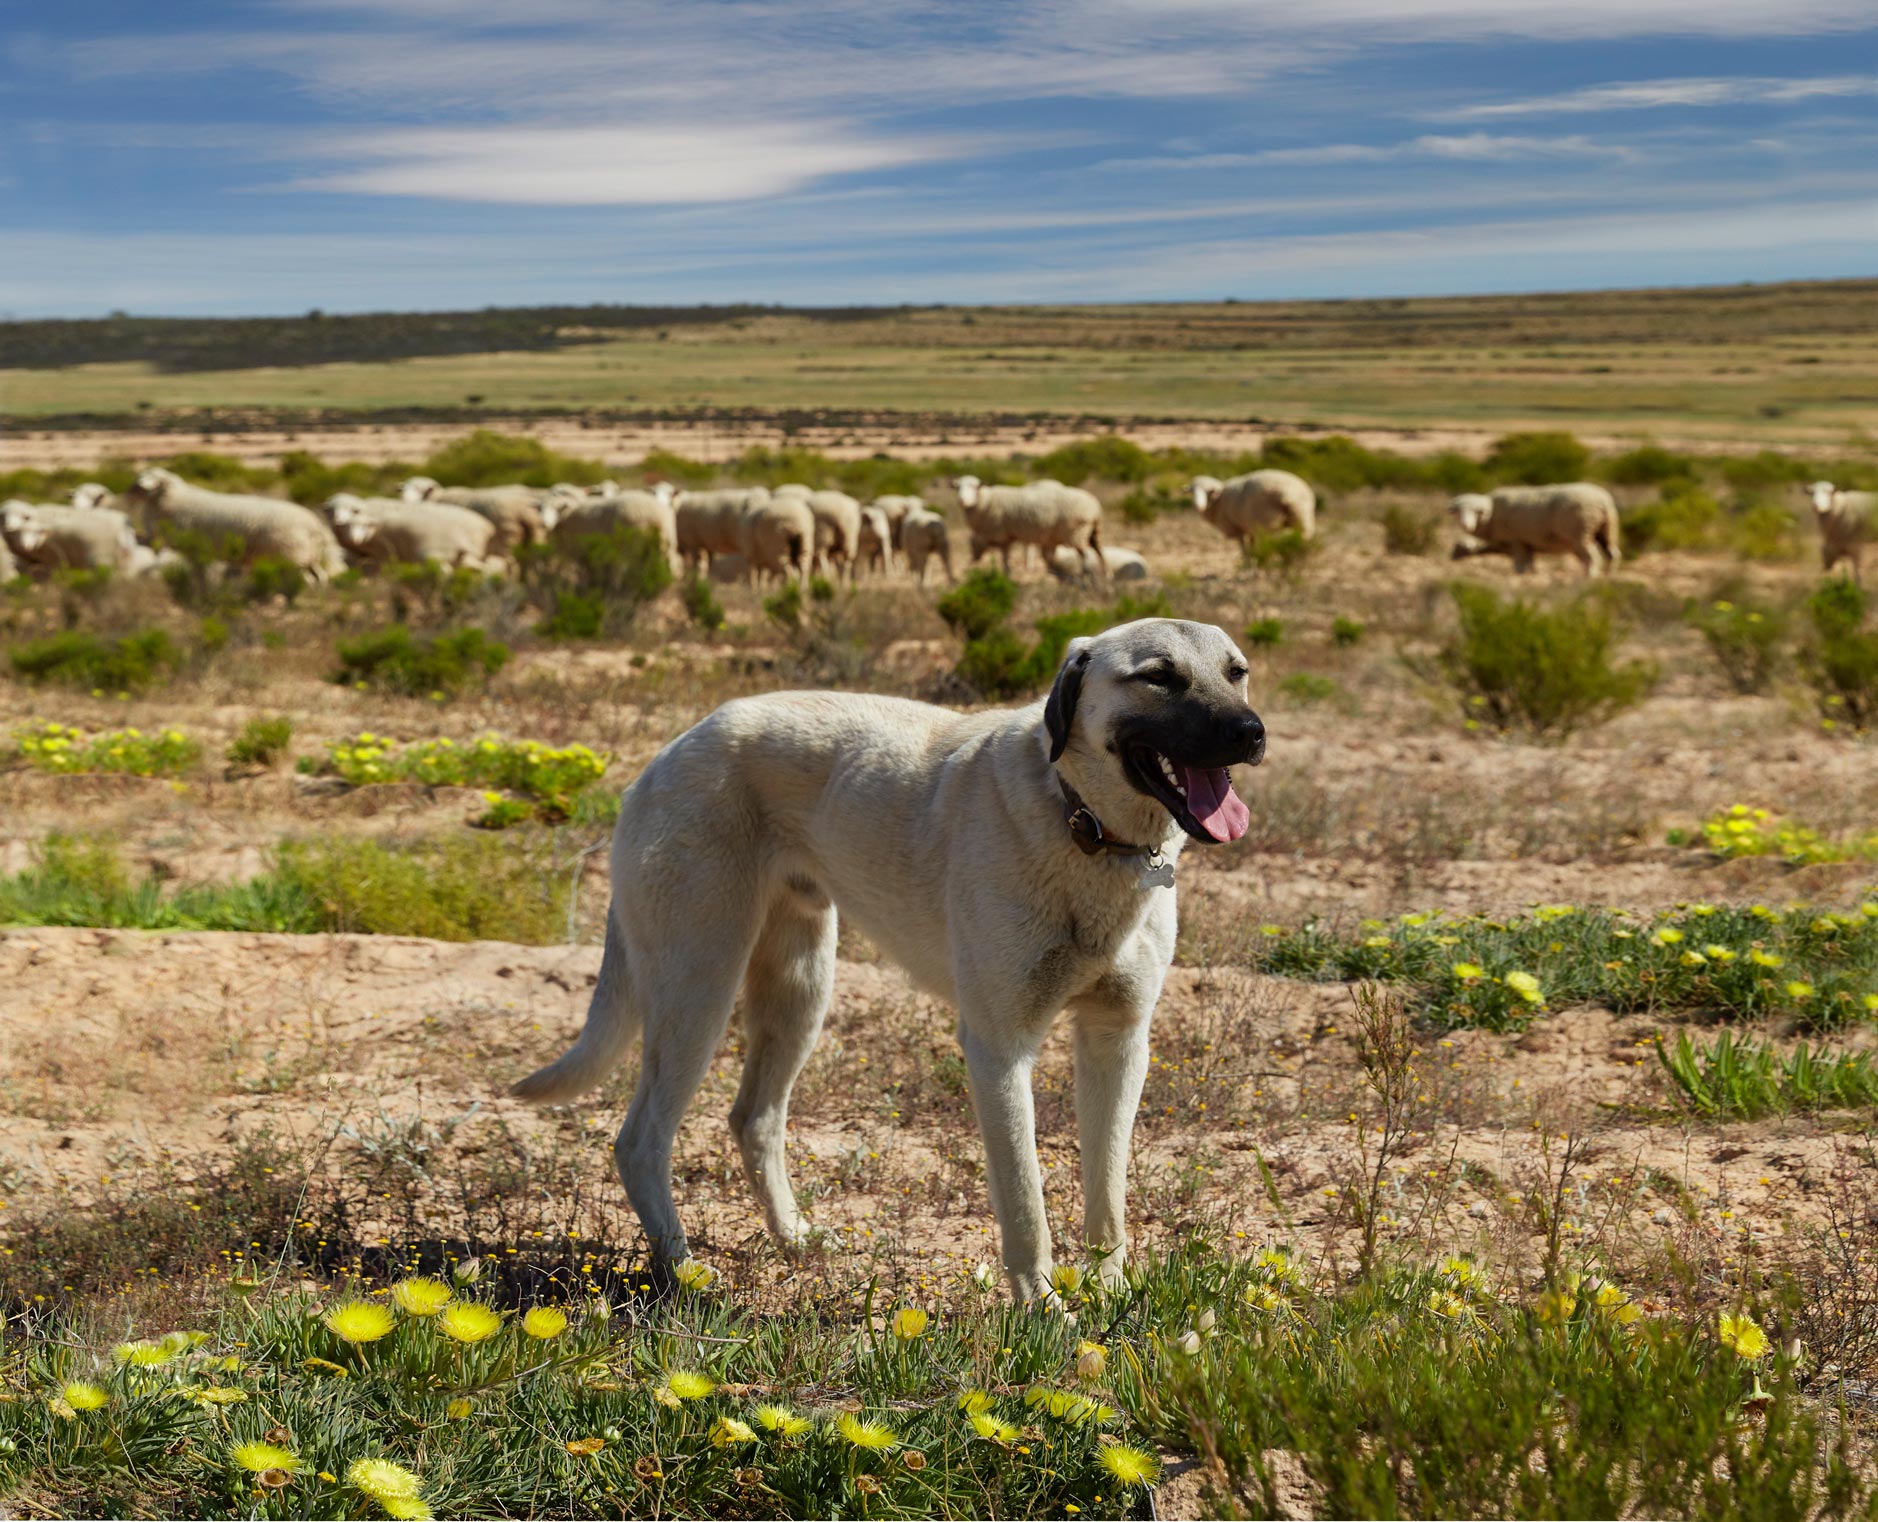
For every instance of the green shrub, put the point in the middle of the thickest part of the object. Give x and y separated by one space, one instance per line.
979 603
487 458
997 661
220 472
664 465
1744 1079
1743 830
1650 465
1764 531
1841 660
1107 458
759 465
398 661
1745 638
881 475
453 888
1307 687
310 480
598 584
550 776
1345 632
1264 633
1538 459
270 577
1684 517
1408 530
1519 666
998 664
263 741
783 607
1768 470
1146 503
78 658
67 750
1284 550
701 603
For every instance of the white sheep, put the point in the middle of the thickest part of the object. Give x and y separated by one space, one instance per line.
896 508
44 537
9 567
382 530
710 523
93 494
1847 520
1066 564
1576 518
1044 514
876 547
256 527
1256 503
777 537
626 509
923 536
516 511
837 525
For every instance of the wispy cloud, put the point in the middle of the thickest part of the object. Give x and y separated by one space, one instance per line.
1472 147
1448 20
1656 94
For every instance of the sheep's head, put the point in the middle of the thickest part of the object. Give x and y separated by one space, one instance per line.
21 528
152 484
667 493
1471 510
419 489
968 488
91 494
1821 494
1206 490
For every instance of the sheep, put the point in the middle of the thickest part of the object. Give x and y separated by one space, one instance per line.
922 536
876 548
896 508
516 511
1066 564
709 523
628 509
1577 518
837 531
43 537
387 529
93 494
1045 514
1252 504
777 536
9 567
1846 521
729 569
258 527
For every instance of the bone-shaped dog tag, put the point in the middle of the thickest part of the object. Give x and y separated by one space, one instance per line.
1156 871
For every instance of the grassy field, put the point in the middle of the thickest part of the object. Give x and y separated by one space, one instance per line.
1772 363
1508 1146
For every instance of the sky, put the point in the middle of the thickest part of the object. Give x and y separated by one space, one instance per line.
219 157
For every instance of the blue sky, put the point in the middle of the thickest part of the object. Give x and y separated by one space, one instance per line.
209 156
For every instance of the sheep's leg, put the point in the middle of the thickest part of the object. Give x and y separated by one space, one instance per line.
1522 561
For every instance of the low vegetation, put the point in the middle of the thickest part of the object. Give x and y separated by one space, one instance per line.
67 750
1744 830
414 665
549 778
1742 1079
103 664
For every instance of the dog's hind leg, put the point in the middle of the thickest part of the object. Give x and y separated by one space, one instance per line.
785 995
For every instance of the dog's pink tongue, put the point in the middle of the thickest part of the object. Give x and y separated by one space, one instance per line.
1211 800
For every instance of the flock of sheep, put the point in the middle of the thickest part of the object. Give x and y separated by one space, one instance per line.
748 533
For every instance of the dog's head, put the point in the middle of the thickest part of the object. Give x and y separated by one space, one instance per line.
1146 721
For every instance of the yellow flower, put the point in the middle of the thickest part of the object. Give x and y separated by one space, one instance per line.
143 1355
1526 986
1092 1361
687 1385
254 1457
971 1402
1667 936
1129 1465
693 1274
1067 1278
1556 1305
544 1322
469 1321
1617 1305
420 1297
1799 992
729 1430
1468 971
989 1427
360 1321
1445 1303
459 1408
83 1397
1741 1334
391 1485
909 1322
781 1420
1764 958
585 1447
865 1434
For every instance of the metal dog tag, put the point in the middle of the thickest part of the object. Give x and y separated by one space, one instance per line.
1156 871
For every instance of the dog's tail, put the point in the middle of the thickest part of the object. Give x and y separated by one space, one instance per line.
612 1022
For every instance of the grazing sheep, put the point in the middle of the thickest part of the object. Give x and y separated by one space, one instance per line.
1255 503
1066 564
516 511
46 538
383 530
837 525
1847 520
1044 514
777 537
261 526
729 569
710 523
1577 518
93 494
924 535
896 509
9 567
876 548
627 509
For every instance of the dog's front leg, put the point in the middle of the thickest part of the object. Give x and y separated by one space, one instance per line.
1000 1063
1111 1067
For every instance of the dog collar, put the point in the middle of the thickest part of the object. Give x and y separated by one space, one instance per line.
1091 839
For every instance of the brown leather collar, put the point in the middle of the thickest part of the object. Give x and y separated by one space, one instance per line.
1086 830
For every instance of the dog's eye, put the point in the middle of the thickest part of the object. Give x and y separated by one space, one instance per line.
1162 676
1236 673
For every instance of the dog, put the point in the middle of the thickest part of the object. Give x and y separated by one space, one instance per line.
1017 863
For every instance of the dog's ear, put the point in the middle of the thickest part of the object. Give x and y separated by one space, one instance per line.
1059 711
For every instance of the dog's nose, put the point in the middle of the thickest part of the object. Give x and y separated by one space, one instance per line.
1252 730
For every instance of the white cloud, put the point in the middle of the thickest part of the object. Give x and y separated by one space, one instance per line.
1651 94
1472 147
1449 20
612 166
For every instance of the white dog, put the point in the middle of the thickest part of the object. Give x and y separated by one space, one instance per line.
1017 863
